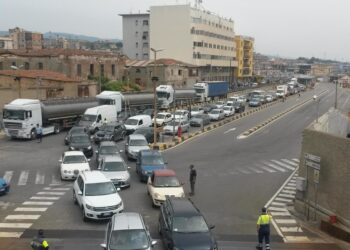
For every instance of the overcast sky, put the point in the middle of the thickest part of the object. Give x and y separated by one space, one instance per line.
289 28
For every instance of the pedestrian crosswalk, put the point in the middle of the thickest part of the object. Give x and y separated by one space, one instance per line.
27 177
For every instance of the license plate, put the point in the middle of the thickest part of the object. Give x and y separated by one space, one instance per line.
107 214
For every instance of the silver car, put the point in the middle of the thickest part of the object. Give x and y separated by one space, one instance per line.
173 126
115 169
199 120
127 231
217 114
134 144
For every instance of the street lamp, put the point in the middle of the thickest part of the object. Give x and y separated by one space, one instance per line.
154 80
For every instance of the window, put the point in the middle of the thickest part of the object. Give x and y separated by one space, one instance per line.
92 69
172 72
214 46
180 72
102 69
136 33
145 35
13 63
145 23
113 69
138 70
78 69
40 66
26 65
145 55
206 45
145 45
137 55
136 22
137 44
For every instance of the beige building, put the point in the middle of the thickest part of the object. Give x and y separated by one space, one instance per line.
41 84
321 70
194 36
23 39
6 43
245 53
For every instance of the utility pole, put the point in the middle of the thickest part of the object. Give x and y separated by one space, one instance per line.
336 94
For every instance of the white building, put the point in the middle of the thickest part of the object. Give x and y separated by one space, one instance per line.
6 43
136 35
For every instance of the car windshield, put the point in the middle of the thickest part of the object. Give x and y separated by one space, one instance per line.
80 139
161 94
14 114
166 181
173 123
138 142
106 150
193 224
114 166
88 118
227 108
199 91
255 100
198 116
152 160
131 122
214 112
77 130
104 188
160 116
130 239
69 159
179 113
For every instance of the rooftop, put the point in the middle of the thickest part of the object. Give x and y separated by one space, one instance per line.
162 61
34 74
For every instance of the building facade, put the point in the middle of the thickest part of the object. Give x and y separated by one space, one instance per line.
194 36
23 39
136 36
41 84
245 59
6 43
321 70
78 64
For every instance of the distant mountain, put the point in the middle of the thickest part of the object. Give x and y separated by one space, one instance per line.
4 33
54 35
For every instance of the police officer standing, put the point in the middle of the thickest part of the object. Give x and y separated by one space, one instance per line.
263 228
38 242
193 176
39 133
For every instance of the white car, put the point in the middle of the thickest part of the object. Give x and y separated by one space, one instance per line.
269 98
164 183
134 144
96 196
196 111
163 118
181 114
217 114
72 163
219 104
229 110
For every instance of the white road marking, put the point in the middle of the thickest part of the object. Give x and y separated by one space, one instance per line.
292 181
283 165
10 234
291 229
15 225
39 178
23 178
274 166
278 209
284 200
290 162
286 221
256 170
44 198
7 176
54 181
295 239
31 209
268 169
38 203
51 193
230 130
288 192
280 214
287 196
292 185
243 171
295 159
56 189
22 217
4 205
274 203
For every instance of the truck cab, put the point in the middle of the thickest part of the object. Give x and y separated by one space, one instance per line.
165 95
20 118
201 89
110 98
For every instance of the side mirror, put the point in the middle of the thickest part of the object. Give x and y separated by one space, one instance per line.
88 159
126 144
80 193
129 167
104 246
96 151
118 189
153 242
211 226
121 151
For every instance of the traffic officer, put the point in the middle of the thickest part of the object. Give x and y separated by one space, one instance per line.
38 242
263 228
193 177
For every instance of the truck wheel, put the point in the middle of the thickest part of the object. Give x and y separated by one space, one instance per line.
33 134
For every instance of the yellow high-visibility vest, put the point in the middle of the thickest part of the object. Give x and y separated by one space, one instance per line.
264 219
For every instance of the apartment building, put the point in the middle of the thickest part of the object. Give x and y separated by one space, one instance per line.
6 43
194 36
23 39
136 35
245 52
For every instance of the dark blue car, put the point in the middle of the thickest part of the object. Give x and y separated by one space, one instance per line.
4 186
147 161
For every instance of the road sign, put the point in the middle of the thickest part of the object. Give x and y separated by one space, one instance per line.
316 176
313 157
313 165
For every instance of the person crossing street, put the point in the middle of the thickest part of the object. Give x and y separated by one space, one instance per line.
263 228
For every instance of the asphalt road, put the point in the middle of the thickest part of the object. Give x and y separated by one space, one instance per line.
232 185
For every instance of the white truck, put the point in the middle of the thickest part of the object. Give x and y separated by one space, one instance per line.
95 117
167 95
282 91
21 116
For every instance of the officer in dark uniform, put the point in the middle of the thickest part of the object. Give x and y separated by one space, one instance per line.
263 228
38 242
193 176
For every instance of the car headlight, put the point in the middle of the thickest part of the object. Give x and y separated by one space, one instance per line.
89 147
89 207
72 148
156 195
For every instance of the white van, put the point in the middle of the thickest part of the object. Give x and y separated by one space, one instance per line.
137 121
95 117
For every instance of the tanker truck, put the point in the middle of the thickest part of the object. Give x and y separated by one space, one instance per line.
21 116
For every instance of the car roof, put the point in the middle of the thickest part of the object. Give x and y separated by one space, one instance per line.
73 153
94 177
79 134
130 221
136 136
139 116
108 143
113 158
164 172
150 152
183 206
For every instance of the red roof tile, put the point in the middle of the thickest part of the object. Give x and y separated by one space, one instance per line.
43 74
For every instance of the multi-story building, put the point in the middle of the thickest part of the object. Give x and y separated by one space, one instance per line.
136 35
195 36
6 43
245 52
23 39
321 70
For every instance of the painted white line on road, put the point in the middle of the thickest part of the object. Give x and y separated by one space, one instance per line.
290 188
292 181
22 217
291 229
15 225
274 203
31 209
287 196
255 170
38 203
295 159
268 169
280 209
290 162
275 167
280 214
54 181
230 130
10 234
243 171
4 205
8 176
44 198
51 193
286 221
284 165
39 178
292 185
297 239
23 178
288 192
344 104
56 189
284 200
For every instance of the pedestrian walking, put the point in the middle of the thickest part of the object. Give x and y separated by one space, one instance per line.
193 176
39 242
39 133
263 228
